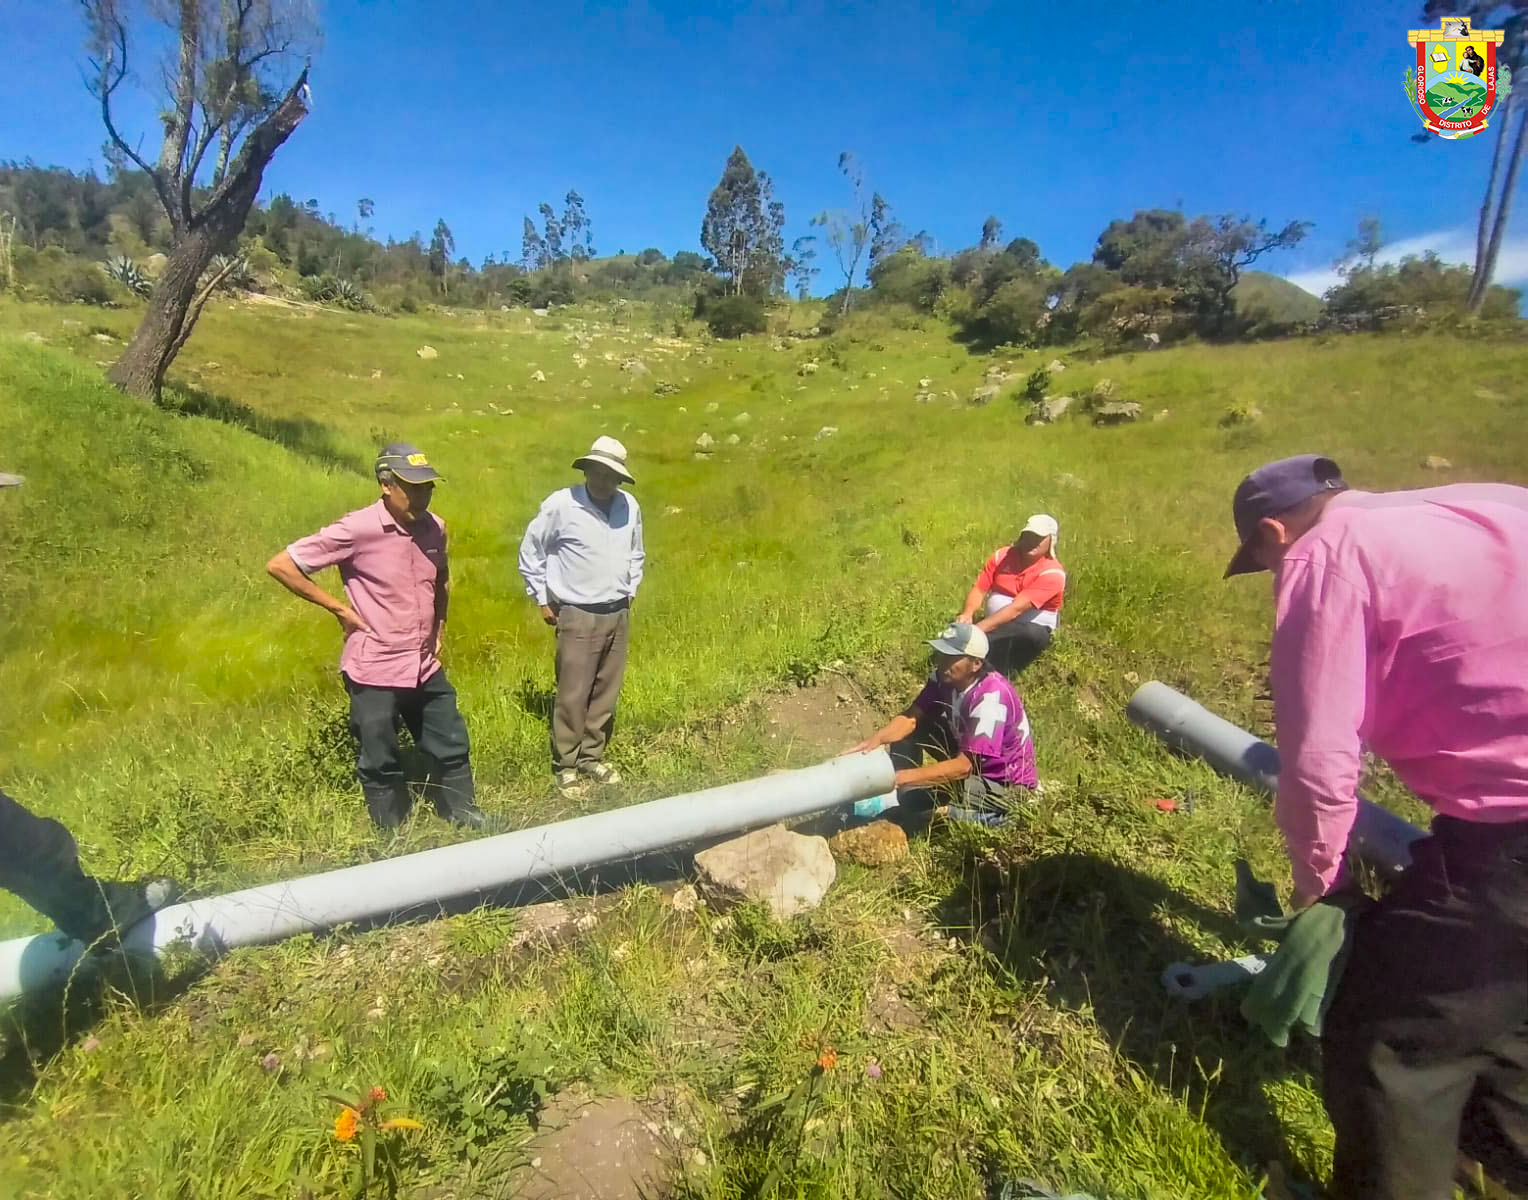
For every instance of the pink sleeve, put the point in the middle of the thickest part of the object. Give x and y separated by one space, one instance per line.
330 545
1319 668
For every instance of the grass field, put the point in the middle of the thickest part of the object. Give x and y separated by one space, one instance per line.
181 714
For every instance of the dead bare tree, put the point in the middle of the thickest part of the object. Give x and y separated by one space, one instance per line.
222 91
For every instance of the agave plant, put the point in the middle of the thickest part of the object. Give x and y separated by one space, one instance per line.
128 273
239 277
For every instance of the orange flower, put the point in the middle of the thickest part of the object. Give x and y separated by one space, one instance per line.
377 1095
345 1124
828 1060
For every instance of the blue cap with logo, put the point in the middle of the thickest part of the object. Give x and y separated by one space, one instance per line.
1273 489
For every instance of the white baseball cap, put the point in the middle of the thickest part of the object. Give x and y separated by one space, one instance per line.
1043 526
608 453
961 639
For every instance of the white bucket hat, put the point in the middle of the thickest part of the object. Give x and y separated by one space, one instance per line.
608 453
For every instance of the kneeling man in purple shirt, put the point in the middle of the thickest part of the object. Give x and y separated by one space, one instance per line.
970 720
1401 624
392 561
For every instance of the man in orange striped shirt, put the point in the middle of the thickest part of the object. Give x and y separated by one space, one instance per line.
1021 587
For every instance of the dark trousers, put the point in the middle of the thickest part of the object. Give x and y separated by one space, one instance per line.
40 863
1014 646
973 798
435 723
591 664
1425 1047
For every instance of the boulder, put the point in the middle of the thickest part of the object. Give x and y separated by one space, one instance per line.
427 352
539 377
877 844
635 366
733 439
1103 392
1152 340
1117 414
1055 365
923 397
788 872
1434 462
985 395
1049 410
925 383
104 338
742 418
807 368
705 442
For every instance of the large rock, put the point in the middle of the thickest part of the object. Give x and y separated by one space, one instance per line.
985 395
1049 410
705 442
427 352
1434 462
877 844
788 872
807 368
635 366
1117 414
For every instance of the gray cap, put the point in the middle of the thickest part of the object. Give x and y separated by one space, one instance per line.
407 462
961 639
1273 489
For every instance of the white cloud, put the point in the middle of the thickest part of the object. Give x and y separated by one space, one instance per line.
1451 245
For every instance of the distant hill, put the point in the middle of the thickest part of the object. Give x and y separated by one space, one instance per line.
1271 298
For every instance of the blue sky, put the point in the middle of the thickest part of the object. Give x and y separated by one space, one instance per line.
476 112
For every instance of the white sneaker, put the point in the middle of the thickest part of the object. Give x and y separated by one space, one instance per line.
602 773
568 783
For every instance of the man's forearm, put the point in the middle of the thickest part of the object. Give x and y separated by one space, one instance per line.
948 771
974 599
1012 613
894 730
285 571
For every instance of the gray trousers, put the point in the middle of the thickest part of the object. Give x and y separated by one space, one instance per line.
591 662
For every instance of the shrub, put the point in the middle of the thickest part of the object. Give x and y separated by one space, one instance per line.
733 316
1036 385
330 289
909 277
239 278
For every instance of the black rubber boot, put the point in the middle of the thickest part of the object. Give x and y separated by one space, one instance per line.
387 803
455 795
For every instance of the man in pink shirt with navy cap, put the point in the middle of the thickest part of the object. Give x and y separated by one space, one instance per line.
1401 624
392 560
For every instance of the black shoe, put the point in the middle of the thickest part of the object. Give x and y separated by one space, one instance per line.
120 907
471 817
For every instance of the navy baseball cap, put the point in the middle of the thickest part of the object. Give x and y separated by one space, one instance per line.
407 462
1274 489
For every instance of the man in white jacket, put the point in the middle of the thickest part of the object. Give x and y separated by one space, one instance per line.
581 560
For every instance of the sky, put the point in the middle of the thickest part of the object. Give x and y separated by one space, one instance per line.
475 112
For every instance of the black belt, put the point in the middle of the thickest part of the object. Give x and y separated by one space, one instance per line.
601 609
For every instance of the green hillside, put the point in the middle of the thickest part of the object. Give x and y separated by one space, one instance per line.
1273 299
180 712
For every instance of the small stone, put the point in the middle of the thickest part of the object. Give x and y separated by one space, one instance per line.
925 383
104 338
376 374
1055 365
673 510
985 395
705 442
826 431
1434 462
427 352
733 439
807 368
1117 414
1161 414
213 366
877 844
742 418
33 336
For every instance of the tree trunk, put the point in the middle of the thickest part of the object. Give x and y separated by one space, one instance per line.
171 316
1483 230
1486 267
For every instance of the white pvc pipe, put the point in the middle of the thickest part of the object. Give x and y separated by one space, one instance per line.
1379 836
279 910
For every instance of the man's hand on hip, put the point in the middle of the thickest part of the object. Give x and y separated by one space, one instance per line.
350 621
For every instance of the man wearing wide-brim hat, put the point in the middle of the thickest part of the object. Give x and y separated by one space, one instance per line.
581 559
392 561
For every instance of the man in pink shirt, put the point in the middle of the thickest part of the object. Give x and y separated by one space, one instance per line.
1401 624
392 561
